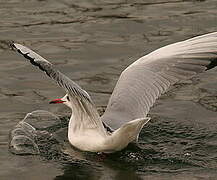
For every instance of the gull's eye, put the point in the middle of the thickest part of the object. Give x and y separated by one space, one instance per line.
68 98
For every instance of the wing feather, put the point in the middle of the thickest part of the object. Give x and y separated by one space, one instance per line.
63 81
146 79
84 108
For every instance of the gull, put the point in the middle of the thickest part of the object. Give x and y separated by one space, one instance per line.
138 87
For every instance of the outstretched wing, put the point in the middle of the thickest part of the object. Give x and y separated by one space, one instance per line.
146 79
84 108
63 81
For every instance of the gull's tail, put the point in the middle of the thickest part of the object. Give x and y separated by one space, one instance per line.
127 133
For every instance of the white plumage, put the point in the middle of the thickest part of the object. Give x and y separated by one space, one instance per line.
138 87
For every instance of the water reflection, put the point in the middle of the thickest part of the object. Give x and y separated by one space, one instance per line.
71 172
93 169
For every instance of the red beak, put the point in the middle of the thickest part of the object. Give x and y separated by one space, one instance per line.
55 101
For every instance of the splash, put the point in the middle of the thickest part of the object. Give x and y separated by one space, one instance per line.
23 138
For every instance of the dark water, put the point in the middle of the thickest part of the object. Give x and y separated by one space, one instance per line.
92 42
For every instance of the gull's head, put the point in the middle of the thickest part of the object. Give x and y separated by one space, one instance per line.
65 100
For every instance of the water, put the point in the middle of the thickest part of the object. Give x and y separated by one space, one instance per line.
92 42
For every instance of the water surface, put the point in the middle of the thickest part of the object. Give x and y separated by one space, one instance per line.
92 42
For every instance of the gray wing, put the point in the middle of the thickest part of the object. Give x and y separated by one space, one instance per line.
146 79
63 81
83 105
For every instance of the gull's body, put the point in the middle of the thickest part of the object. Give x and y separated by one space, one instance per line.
138 87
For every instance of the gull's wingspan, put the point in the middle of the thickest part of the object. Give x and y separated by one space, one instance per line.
83 105
146 79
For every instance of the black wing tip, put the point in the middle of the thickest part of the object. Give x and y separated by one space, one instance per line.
26 55
12 45
31 59
212 64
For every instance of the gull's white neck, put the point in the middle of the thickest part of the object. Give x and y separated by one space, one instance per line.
84 135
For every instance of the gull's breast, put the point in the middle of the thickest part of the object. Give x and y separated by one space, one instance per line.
89 140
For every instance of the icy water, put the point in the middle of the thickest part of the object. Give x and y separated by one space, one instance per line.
92 42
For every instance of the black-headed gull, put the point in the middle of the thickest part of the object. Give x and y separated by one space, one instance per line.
138 87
